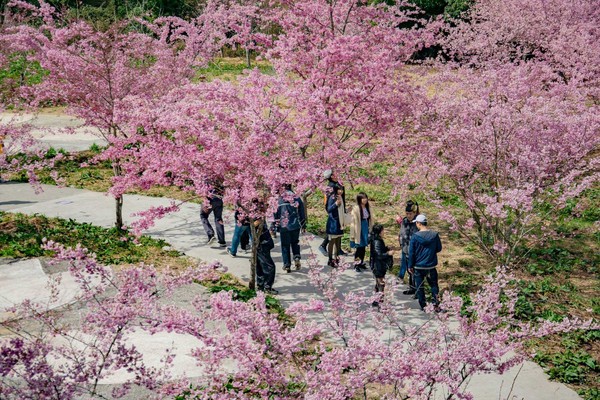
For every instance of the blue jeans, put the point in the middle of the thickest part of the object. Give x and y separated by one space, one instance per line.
237 234
432 278
404 270
403 265
289 239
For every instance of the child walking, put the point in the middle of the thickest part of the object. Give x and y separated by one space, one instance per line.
381 259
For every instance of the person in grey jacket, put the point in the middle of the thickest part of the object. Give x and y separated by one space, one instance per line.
422 259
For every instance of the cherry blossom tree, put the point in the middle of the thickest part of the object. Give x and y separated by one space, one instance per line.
341 357
332 100
232 133
98 75
347 84
244 23
512 145
563 34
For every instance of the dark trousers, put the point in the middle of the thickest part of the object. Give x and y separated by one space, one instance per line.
380 287
432 278
289 239
216 208
245 239
265 270
360 254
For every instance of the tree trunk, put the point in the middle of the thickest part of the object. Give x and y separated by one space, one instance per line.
119 212
118 200
254 257
248 58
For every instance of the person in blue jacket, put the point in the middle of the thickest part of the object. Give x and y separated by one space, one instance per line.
290 219
336 221
422 259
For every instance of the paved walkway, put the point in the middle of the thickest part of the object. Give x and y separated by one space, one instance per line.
57 130
184 232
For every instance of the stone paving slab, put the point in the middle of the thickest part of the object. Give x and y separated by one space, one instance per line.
14 275
183 231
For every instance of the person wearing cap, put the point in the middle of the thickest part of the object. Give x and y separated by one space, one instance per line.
332 185
422 259
407 229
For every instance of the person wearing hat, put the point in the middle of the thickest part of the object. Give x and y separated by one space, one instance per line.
332 186
407 229
422 259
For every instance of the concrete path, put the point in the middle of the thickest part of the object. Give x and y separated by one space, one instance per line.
14 274
184 232
57 130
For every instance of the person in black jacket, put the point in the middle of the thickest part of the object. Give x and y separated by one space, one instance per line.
214 204
265 266
381 259
289 221
422 259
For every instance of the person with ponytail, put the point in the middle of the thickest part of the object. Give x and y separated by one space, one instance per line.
360 226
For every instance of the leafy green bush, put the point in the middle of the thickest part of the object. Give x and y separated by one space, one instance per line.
18 71
22 236
568 366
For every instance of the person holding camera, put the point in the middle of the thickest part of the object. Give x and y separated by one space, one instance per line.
337 220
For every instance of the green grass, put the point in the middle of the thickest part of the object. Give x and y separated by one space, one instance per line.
573 363
241 292
22 236
229 68
17 72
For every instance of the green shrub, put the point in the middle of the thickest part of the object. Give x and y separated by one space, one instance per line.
22 236
568 366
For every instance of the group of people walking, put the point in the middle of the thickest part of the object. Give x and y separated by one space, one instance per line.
419 245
